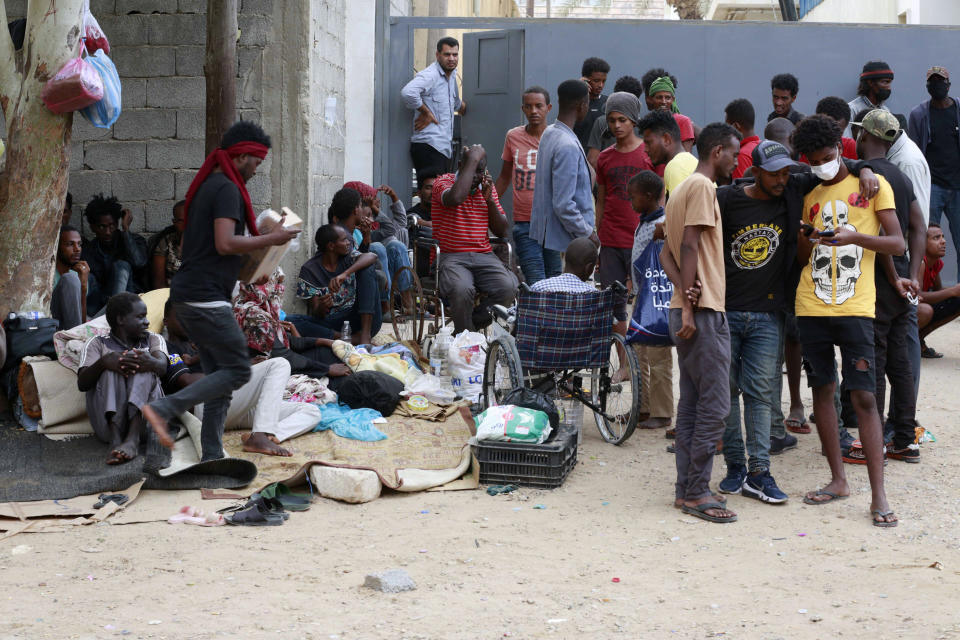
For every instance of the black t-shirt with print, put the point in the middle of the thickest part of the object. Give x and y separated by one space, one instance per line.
753 250
205 275
943 150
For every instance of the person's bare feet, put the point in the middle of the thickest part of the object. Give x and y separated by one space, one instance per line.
123 453
882 513
263 443
836 487
716 513
158 424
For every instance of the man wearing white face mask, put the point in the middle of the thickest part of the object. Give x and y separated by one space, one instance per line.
836 302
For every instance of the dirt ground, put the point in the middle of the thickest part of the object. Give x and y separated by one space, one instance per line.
608 556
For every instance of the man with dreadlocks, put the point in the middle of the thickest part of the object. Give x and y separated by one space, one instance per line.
217 210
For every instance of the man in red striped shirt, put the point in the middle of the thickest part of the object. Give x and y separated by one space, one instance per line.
464 205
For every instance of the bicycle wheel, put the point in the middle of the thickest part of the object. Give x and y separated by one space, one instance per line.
502 372
407 317
619 400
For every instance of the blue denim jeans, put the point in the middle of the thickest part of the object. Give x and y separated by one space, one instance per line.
536 262
755 340
367 302
119 279
946 202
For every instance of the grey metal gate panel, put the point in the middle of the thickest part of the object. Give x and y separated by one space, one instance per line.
492 88
715 63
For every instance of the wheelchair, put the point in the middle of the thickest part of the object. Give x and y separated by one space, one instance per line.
428 313
556 341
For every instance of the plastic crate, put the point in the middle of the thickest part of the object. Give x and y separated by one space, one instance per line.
530 465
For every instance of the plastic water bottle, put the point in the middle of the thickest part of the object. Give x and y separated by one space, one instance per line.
438 352
345 332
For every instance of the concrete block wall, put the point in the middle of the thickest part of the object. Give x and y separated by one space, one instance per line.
151 154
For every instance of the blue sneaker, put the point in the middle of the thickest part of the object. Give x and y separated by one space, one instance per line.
764 488
779 445
736 474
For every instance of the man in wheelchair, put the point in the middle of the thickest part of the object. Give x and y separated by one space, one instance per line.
464 207
578 266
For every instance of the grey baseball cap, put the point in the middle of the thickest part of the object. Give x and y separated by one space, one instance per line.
770 155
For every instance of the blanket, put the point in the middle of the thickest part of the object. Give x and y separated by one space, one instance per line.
417 454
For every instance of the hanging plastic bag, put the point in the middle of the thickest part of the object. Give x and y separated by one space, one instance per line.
510 423
96 38
650 324
466 359
104 112
75 86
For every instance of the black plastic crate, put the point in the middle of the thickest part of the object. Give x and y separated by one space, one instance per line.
530 465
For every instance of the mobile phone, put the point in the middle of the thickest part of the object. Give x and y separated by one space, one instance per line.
827 233
807 229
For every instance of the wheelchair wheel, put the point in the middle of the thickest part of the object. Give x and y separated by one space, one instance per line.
502 372
407 319
619 400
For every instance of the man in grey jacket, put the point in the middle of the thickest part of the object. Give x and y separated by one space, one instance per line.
563 196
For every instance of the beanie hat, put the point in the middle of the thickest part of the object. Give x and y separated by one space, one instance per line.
876 70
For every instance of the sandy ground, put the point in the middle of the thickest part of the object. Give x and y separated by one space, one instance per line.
495 567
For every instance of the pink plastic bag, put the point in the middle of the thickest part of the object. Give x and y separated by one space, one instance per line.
96 38
76 85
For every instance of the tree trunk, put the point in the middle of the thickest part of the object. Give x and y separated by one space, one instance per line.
221 69
34 185
688 9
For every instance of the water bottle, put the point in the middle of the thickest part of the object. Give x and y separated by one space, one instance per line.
345 332
438 352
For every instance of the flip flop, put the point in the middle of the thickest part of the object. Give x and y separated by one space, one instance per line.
187 515
823 492
255 516
796 426
882 523
284 496
700 511
497 489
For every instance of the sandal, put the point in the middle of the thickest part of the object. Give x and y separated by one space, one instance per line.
883 523
192 515
255 515
856 455
930 352
700 511
823 492
796 426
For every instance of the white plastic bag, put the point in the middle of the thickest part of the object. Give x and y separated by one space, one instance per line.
96 38
510 423
105 111
432 388
466 359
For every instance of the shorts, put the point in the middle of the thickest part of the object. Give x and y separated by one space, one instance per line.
945 309
615 267
854 336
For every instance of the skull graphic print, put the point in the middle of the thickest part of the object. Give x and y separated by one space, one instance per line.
835 270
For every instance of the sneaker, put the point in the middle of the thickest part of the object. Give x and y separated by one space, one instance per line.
736 474
779 445
911 453
764 488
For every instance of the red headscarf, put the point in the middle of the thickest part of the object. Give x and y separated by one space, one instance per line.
365 190
223 158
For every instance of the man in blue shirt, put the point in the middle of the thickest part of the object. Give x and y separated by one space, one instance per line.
563 196
434 96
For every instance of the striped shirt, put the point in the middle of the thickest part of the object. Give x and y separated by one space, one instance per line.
464 229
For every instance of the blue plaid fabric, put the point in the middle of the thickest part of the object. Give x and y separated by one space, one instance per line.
564 330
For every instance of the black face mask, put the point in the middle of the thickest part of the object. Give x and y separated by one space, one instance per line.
883 94
938 90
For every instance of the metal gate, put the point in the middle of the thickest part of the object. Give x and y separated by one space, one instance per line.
714 62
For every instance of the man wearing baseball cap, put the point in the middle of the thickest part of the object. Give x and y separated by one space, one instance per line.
934 126
874 88
896 278
760 219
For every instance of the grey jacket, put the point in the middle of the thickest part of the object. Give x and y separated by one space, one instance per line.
563 196
919 123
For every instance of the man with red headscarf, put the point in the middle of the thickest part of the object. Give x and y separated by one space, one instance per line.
217 210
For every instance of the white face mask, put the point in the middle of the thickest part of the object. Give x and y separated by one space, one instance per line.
828 170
